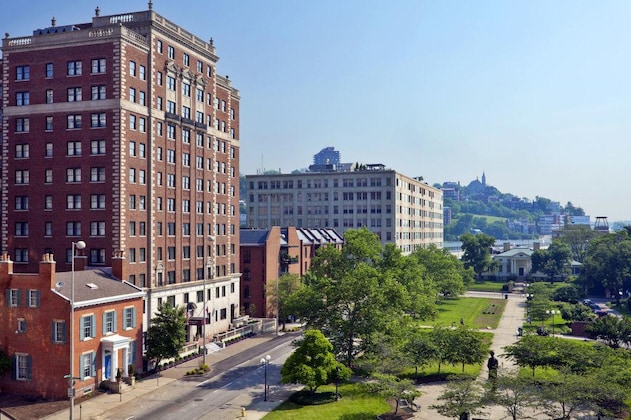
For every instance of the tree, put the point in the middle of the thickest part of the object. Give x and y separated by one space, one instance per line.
577 237
349 295
167 333
607 265
313 363
552 261
470 347
420 349
279 295
566 395
514 393
612 330
477 252
462 395
533 351
390 386
443 270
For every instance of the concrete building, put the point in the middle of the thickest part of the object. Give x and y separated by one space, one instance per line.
399 209
35 327
120 132
267 254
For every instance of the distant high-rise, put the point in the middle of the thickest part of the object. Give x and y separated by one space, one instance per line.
327 156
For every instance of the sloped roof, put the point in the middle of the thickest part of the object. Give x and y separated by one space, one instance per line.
515 252
95 286
253 236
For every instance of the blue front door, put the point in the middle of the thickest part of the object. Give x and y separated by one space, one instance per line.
107 368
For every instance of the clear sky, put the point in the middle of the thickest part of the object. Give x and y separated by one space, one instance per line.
536 93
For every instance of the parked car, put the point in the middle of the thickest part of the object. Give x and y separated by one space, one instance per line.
587 302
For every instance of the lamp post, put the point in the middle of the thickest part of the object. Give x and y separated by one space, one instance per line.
205 311
265 361
337 380
71 377
529 297
553 312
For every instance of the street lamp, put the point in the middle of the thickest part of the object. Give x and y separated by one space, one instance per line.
529 297
265 361
71 377
205 311
553 312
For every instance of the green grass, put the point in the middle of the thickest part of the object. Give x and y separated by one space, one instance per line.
487 286
471 310
355 404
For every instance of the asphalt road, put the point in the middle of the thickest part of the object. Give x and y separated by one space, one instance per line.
212 396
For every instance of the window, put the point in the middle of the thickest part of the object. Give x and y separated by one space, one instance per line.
159 77
74 122
87 327
97 256
49 70
21 202
22 73
97 228
21 255
88 365
160 46
159 102
199 94
132 202
73 175
171 107
186 89
49 124
142 152
98 65
132 94
142 98
223 314
22 176
73 201
74 68
98 120
142 177
73 148
97 201
48 202
48 150
171 132
48 176
22 98
21 228
132 68
186 112
171 52
186 60
131 256
73 228
48 228
21 326
74 94
97 174
97 147
132 122
58 332
49 96
142 73
129 315
142 125
21 151
132 148
170 204
171 82
98 93
13 297
142 229
23 366
171 253
170 156
132 228
21 125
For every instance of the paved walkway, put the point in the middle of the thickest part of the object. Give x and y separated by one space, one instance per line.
97 408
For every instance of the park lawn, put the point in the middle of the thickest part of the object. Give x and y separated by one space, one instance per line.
356 403
475 312
486 286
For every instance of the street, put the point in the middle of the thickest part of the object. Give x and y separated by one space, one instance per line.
233 383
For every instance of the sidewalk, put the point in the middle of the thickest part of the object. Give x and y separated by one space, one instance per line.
96 408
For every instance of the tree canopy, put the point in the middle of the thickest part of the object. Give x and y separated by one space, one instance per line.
553 261
167 334
607 265
477 252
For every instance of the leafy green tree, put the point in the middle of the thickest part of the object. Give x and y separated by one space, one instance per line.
392 387
349 296
566 395
167 334
612 330
420 349
514 393
553 261
577 312
279 295
313 363
577 237
443 270
607 265
533 351
477 252
461 396
469 347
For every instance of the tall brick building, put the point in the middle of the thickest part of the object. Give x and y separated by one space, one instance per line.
121 133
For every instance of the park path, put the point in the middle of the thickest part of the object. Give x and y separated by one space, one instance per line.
505 334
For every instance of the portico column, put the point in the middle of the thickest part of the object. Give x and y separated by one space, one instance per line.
125 360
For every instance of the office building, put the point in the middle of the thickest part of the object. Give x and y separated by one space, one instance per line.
399 209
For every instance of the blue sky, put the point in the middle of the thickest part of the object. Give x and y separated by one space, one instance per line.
534 93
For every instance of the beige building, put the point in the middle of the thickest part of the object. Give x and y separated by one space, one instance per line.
399 209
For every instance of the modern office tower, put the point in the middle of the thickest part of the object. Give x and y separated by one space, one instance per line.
399 209
121 133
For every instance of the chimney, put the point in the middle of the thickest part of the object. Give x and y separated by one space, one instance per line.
536 246
6 267
47 269
118 265
506 246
